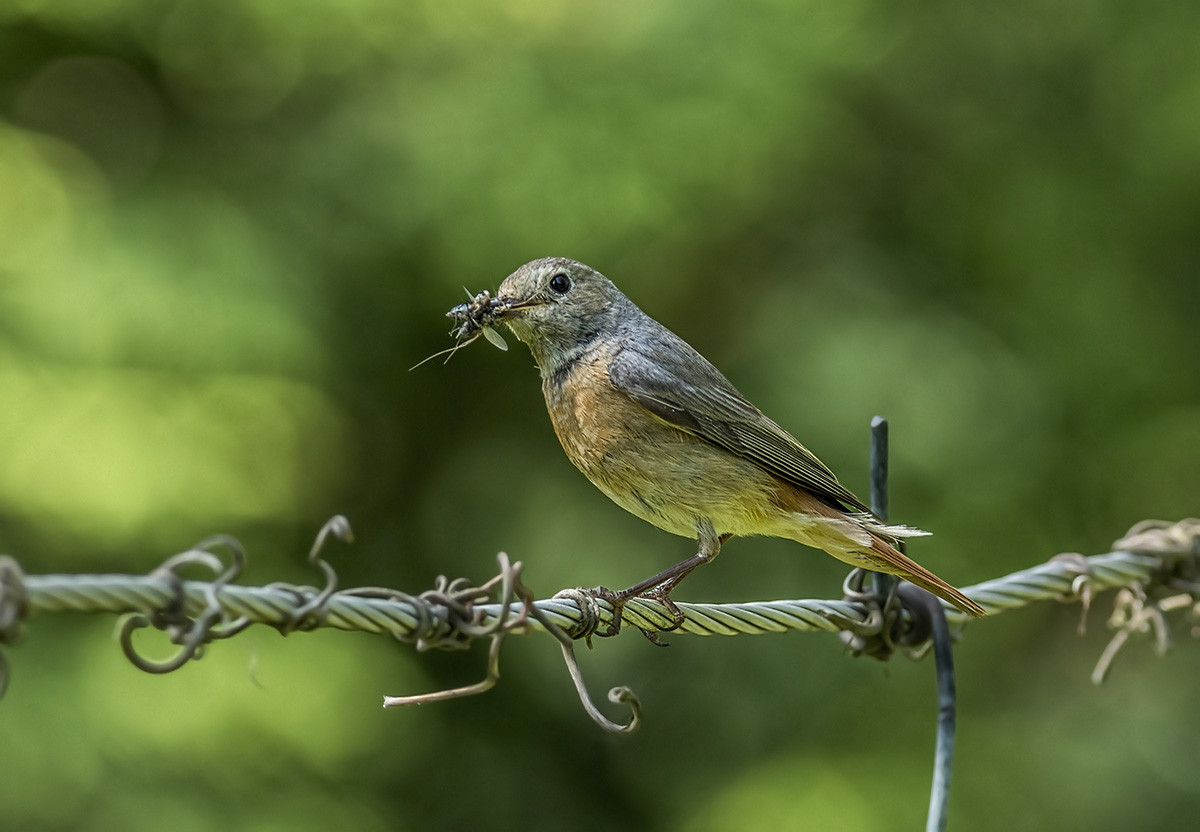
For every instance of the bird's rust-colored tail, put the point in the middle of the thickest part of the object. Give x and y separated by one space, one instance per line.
854 538
891 560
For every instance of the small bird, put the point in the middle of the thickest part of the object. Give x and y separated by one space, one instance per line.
668 438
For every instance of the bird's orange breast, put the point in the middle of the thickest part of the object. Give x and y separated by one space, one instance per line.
656 471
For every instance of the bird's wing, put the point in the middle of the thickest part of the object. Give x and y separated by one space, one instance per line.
680 386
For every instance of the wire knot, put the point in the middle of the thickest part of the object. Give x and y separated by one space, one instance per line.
464 620
191 634
1138 610
461 619
1161 537
14 603
898 620
589 613
14 607
458 620
1177 547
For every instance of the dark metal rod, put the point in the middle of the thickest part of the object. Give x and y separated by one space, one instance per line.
879 467
943 652
883 584
943 758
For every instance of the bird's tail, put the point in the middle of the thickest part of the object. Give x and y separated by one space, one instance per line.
862 539
887 558
887 532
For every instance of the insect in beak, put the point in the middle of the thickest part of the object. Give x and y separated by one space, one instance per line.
476 317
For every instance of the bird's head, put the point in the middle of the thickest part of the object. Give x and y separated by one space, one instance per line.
557 306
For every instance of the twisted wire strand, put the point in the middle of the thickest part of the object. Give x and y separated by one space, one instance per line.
409 617
1151 561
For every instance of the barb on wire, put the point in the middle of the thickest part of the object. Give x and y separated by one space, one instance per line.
307 615
190 634
1081 586
467 622
1136 614
459 598
587 626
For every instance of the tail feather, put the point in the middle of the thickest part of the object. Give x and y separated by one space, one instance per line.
891 560
886 531
861 539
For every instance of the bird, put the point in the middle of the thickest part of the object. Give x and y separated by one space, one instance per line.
661 431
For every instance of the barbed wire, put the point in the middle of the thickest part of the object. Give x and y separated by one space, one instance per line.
1156 567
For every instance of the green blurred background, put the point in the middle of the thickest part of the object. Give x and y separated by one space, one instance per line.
227 230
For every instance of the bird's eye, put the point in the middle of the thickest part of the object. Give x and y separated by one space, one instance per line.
560 283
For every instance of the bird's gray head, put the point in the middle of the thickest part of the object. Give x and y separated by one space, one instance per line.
559 307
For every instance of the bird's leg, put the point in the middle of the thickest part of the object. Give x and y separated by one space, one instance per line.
658 587
710 547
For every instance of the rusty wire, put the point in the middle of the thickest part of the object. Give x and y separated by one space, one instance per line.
1156 567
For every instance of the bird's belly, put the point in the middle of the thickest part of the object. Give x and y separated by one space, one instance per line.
672 486
657 472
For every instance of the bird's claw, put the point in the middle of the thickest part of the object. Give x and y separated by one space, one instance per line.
662 594
618 600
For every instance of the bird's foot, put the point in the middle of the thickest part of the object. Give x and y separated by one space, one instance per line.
658 588
660 593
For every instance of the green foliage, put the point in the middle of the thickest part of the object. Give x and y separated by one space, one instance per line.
228 227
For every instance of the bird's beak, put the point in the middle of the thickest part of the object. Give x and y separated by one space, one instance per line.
505 306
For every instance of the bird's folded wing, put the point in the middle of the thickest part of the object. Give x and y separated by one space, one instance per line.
682 388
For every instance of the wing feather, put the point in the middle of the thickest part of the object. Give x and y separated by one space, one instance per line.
679 386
